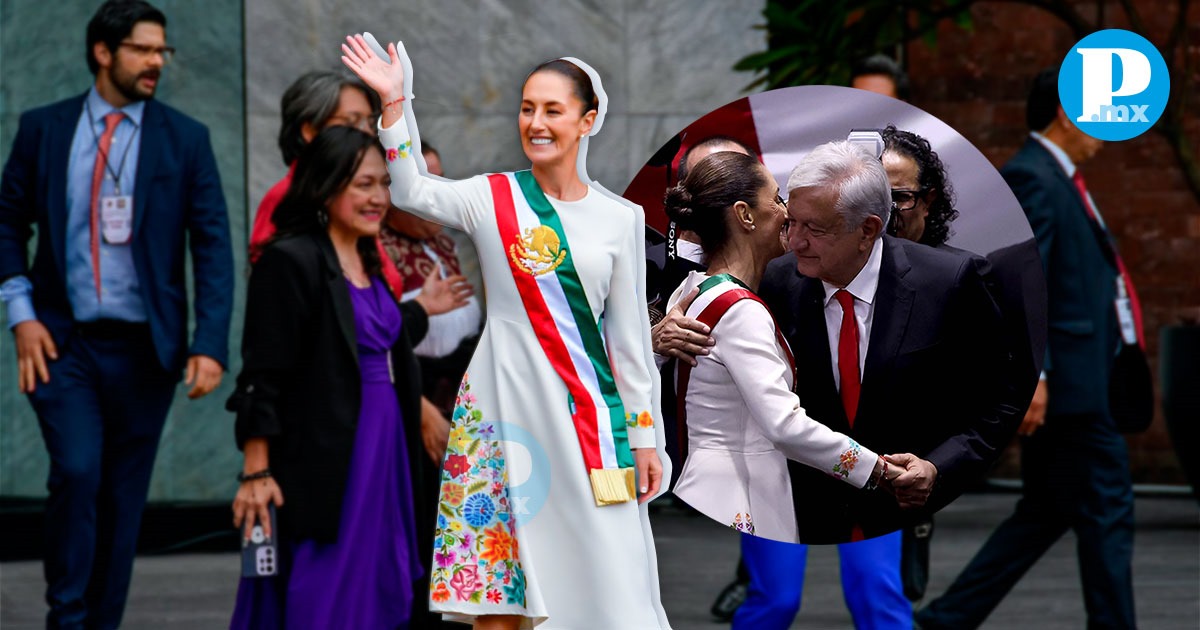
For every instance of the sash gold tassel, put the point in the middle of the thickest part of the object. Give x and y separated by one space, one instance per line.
613 485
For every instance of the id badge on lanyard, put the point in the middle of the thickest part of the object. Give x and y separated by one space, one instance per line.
1125 312
116 218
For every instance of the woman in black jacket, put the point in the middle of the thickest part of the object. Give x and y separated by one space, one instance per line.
328 403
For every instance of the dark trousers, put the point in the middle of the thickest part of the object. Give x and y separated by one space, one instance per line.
1075 471
101 416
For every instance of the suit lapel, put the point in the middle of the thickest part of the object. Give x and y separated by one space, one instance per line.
342 307
893 305
149 156
812 339
61 134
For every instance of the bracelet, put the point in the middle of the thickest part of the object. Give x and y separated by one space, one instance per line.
873 482
399 100
255 476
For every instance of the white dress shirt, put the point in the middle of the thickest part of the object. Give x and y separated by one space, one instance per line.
863 289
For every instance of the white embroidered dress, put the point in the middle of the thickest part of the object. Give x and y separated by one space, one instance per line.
744 422
519 532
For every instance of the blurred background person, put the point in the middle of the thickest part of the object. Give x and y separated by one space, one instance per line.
1074 463
315 101
880 74
115 182
921 190
327 404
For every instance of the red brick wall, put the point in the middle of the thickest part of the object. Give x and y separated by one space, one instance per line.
977 82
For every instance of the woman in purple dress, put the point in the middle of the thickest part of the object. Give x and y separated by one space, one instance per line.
327 404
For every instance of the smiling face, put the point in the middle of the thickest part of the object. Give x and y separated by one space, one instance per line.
552 120
824 246
904 177
359 208
770 213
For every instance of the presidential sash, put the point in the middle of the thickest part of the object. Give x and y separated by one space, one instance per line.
544 271
709 316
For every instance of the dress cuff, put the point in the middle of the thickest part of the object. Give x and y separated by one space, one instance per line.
855 464
640 428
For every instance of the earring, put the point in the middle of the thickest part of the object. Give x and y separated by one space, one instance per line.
323 217
753 227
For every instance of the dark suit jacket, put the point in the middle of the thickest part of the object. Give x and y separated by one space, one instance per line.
931 386
300 385
1080 283
177 200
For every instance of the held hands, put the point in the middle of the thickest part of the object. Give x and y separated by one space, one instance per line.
442 295
649 473
34 345
250 505
203 373
680 336
385 77
913 483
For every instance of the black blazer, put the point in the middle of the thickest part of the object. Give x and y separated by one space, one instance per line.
932 385
300 384
1080 282
178 204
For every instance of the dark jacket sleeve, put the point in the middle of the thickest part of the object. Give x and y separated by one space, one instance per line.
212 255
17 213
278 307
992 419
416 321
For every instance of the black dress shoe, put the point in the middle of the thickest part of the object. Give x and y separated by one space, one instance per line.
731 597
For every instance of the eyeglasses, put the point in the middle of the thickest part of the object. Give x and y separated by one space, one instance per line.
142 50
906 200
358 121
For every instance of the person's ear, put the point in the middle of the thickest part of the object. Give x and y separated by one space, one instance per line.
871 229
586 122
743 215
308 131
103 56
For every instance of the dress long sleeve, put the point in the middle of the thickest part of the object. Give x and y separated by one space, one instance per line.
746 345
627 334
456 204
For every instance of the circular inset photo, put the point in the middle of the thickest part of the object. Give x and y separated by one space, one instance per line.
874 304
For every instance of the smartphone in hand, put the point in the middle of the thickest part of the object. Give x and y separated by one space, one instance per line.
260 555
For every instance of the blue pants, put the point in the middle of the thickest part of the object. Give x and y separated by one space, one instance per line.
101 416
871 583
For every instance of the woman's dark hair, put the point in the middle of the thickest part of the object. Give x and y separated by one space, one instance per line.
324 169
580 79
312 99
114 21
931 175
700 202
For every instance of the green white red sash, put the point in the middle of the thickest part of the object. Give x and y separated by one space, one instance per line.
543 269
734 292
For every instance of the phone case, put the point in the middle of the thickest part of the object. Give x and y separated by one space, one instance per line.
260 555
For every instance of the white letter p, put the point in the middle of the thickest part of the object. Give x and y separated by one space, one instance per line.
1097 78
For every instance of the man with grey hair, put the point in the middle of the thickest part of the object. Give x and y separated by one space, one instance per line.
895 346
316 100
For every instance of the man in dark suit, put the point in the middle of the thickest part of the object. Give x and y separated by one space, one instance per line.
914 316
1074 463
116 184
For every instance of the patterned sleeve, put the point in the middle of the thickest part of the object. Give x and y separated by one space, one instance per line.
627 334
745 342
457 204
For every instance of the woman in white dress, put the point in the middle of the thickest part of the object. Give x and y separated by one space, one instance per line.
742 417
561 386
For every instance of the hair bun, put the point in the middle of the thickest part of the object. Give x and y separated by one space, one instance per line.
678 205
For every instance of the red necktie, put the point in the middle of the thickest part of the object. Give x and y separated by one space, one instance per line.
848 355
111 121
1134 304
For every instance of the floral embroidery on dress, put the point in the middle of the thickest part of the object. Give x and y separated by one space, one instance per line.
847 460
743 523
641 420
475 555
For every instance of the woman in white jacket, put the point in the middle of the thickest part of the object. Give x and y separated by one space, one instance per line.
742 417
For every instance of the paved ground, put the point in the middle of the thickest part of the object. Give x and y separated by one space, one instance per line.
697 557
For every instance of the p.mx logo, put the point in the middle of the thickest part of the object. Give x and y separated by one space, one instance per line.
1114 84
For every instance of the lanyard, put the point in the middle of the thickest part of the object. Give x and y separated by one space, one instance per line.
116 175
